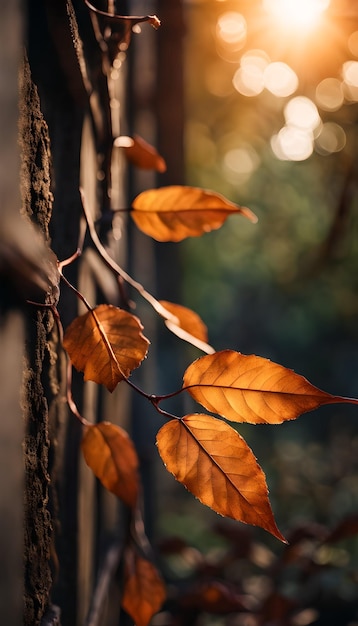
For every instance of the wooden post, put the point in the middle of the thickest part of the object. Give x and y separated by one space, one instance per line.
11 327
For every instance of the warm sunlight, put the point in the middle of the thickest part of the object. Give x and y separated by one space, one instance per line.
296 14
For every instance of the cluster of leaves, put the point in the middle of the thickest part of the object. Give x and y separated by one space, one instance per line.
203 452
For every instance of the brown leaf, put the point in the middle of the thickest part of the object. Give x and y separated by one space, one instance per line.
216 465
215 597
111 455
141 153
144 591
176 212
106 344
348 527
187 319
252 389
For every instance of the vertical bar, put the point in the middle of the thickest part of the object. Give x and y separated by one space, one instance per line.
11 330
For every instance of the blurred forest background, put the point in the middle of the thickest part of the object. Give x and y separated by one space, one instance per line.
271 123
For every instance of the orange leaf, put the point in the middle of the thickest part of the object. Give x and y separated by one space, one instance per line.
144 591
111 455
252 389
214 596
106 344
176 212
141 153
187 319
216 465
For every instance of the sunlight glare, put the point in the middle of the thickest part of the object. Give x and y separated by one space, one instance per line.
296 14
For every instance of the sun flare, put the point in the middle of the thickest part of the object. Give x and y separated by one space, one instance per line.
296 14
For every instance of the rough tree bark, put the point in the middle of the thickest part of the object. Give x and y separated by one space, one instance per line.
52 110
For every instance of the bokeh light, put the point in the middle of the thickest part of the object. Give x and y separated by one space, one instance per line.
280 79
231 31
231 28
249 78
331 138
350 73
295 141
292 144
350 78
329 94
353 43
302 113
240 163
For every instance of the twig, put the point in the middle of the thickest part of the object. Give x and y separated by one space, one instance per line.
100 595
136 19
159 308
70 401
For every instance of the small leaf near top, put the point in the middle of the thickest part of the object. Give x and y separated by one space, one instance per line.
176 212
144 591
252 389
111 455
140 153
106 344
217 466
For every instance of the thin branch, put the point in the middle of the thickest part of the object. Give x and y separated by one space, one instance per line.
70 260
70 401
136 19
154 399
159 308
78 293
101 591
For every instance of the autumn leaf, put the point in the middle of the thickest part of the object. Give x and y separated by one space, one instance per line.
217 466
140 153
216 597
144 591
252 389
186 319
111 455
106 344
176 212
